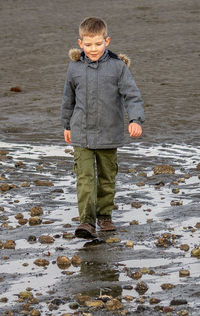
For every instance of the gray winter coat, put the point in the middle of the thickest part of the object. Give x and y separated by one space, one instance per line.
95 94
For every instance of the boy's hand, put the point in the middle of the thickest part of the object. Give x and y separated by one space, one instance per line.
135 130
67 136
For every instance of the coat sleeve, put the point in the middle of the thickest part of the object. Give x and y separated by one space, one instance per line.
68 100
131 95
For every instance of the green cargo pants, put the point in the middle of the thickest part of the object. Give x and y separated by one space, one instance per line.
96 170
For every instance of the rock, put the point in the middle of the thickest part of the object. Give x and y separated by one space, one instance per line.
94 304
184 273
32 238
136 275
76 219
25 185
67 225
43 183
198 167
184 247
3 300
196 252
114 305
136 204
74 305
134 222
178 302
5 187
176 203
41 262
2 209
35 312
81 299
163 169
128 287
46 239
140 184
167 309
141 287
19 216
150 220
68 235
129 298
197 225
76 260
183 313
36 211
22 221
34 221
165 240
1 244
19 164
9 244
154 300
113 240
175 190
142 174
16 89
63 262
26 295
129 244
167 286
132 170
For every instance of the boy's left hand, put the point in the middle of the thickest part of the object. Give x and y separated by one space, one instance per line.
135 130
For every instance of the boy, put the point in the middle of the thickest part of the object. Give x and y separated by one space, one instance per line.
98 86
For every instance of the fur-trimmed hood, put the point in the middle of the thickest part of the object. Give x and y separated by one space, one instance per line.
75 55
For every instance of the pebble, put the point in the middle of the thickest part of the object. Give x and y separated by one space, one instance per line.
136 204
175 190
163 169
19 216
68 235
178 302
22 221
136 275
9 244
41 262
128 298
141 287
176 203
113 240
196 252
197 225
184 273
32 238
129 244
184 247
95 304
134 222
167 286
63 262
43 183
76 260
25 185
35 312
81 299
34 221
154 300
36 211
114 305
46 239
26 295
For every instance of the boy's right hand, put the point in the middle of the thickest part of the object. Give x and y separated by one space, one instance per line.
67 136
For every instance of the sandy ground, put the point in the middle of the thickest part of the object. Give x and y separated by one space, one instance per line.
162 40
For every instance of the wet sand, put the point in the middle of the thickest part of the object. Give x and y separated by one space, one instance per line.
162 39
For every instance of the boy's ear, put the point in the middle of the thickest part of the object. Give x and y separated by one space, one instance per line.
80 43
107 40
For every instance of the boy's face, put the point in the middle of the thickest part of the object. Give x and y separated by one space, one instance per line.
94 46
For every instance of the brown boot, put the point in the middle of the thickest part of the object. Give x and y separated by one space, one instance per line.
106 224
86 231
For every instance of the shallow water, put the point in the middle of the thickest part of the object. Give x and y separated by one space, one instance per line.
61 207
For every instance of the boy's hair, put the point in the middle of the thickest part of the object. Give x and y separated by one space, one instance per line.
93 26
